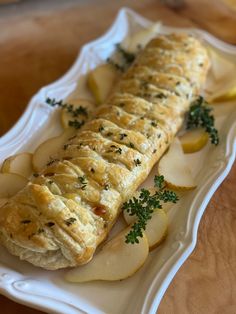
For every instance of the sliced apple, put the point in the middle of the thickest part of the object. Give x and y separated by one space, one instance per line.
10 184
20 164
77 102
173 166
45 151
117 260
194 140
156 228
101 80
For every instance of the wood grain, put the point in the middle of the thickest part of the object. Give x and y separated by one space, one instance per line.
37 47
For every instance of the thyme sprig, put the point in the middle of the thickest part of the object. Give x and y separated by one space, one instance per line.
127 58
199 116
143 207
75 112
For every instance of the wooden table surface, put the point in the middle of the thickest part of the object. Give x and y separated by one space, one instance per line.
38 43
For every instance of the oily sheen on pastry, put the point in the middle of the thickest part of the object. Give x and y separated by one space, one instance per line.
64 213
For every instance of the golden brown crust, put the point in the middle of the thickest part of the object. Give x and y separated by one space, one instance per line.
69 209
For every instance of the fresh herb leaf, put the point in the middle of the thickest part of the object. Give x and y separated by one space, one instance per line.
199 116
159 182
143 207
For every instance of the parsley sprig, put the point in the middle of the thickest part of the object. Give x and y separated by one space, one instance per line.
199 116
75 112
143 207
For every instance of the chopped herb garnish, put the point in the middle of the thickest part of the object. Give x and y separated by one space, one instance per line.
199 116
137 162
101 128
118 150
122 136
131 145
143 207
50 182
83 182
153 123
65 146
40 230
70 221
35 175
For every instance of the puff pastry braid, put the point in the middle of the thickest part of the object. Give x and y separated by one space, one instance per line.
62 215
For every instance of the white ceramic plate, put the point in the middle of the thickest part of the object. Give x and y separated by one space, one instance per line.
47 290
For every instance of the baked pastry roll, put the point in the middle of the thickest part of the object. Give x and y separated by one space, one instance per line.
64 213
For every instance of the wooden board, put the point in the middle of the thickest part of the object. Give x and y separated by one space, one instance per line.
38 46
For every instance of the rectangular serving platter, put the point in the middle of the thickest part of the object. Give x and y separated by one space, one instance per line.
47 290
